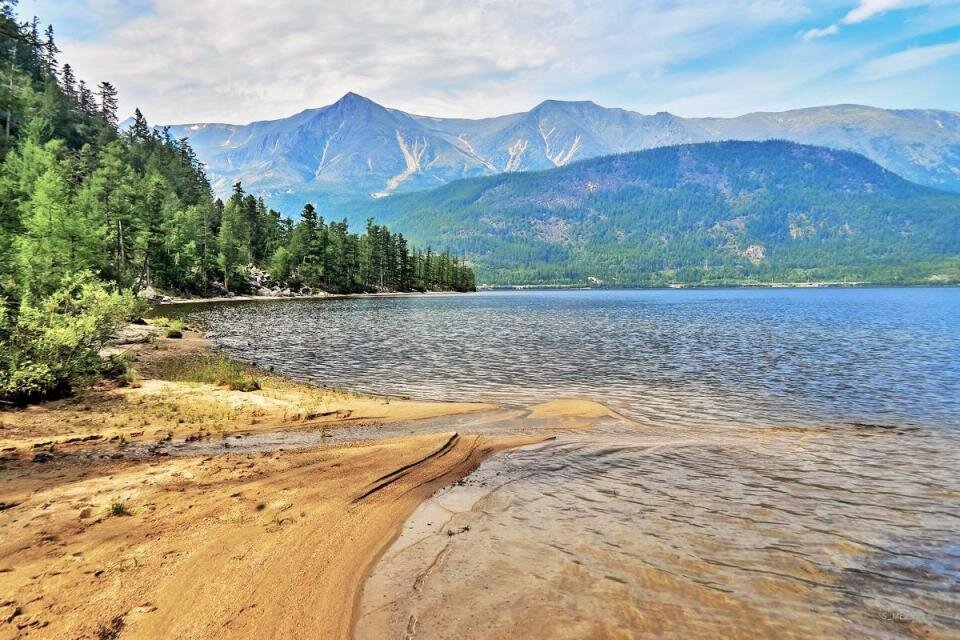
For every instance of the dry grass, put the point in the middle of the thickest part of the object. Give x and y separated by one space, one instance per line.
209 369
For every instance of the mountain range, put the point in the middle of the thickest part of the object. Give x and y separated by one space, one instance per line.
707 213
356 149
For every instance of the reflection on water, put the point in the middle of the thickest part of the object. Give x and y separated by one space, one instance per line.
786 467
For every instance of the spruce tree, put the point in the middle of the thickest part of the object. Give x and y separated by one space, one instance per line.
108 102
140 130
234 239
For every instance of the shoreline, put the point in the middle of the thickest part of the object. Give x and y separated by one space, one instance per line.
325 296
547 287
152 540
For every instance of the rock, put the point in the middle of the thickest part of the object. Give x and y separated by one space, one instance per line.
149 293
306 291
133 334
755 253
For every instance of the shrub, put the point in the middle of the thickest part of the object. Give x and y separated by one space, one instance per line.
49 346
169 323
119 508
174 333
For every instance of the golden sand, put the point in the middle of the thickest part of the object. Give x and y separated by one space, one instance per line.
269 544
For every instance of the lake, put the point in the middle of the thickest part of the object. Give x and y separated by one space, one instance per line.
769 356
783 462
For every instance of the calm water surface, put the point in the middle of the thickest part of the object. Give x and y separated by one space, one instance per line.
786 465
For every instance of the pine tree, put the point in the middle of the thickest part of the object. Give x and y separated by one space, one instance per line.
68 81
58 238
108 102
50 51
148 243
85 99
140 130
234 239
111 193
8 8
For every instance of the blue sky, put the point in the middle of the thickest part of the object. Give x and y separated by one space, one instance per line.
243 60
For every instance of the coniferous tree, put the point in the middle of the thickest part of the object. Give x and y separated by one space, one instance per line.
234 239
50 51
139 130
108 102
57 238
86 101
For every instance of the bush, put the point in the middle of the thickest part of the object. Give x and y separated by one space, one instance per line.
49 347
174 333
169 323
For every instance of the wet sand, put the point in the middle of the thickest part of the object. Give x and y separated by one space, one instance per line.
685 531
304 512
116 522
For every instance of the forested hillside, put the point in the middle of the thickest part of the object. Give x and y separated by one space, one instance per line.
90 217
712 213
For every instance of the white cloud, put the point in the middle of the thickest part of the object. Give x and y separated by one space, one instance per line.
866 10
909 60
815 34
870 8
210 60
199 60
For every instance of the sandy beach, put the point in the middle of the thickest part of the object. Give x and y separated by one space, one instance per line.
104 534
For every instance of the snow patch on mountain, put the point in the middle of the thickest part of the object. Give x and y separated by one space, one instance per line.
326 148
564 157
412 155
558 157
465 146
516 151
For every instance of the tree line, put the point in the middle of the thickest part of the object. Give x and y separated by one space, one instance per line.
90 215
325 255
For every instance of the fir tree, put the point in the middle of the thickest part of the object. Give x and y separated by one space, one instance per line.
108 102
140 130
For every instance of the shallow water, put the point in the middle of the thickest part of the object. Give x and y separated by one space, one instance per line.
785 466
733 356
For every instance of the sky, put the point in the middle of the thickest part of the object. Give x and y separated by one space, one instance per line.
184 61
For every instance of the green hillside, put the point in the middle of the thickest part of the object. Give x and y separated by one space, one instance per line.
707 213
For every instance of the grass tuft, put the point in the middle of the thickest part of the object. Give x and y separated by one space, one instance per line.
208 369
119 508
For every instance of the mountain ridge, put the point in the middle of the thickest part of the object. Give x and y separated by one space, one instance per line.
704 213
356 148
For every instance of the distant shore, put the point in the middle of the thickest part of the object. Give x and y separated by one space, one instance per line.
741 285
315 296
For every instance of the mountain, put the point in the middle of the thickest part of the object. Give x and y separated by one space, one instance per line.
702 213
357 149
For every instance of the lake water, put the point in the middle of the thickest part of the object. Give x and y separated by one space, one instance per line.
785 463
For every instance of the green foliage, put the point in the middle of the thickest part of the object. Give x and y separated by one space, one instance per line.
210 370
119 508
691 214
87 212
174 333
49 345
